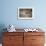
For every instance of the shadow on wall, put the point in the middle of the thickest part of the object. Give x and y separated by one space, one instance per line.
2 26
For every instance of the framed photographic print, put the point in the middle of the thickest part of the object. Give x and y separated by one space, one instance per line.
25 13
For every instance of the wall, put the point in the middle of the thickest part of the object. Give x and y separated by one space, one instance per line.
9 13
